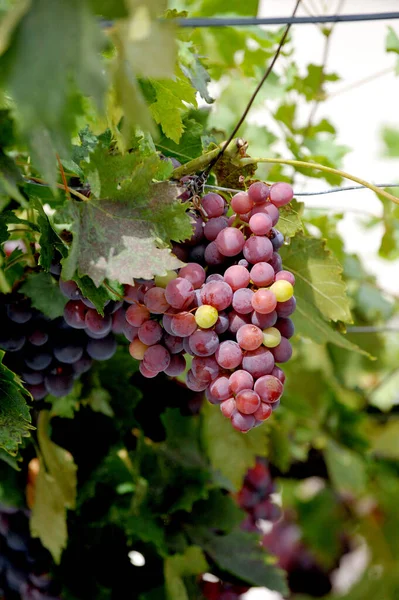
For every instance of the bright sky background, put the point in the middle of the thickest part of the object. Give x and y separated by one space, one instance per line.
359 114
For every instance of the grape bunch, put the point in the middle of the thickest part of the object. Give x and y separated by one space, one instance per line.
24 563
255 496
50 354
228 308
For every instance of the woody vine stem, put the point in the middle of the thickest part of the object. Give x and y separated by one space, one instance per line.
200 163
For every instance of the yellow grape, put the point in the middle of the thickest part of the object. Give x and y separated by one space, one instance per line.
137 349
271 337
283 290
163 280
206 316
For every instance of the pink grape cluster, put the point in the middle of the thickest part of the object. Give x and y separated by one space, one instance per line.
228 309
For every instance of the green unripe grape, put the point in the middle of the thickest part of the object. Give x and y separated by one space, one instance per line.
206 316
163 280
271 337
283 290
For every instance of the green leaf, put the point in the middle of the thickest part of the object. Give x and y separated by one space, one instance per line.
392 41
14 412
240 554
167 110
390 137
193 69
190 143
219 511
58 461
49 239
385 439
109 9
192 562
10 177
290 221
309 323
9 217
99 401
212 8
40 46
115 241
229 451
318 277
97 295
48 518
10 21
45 294
346 468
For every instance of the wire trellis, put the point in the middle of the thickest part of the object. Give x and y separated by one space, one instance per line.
250 21
319 193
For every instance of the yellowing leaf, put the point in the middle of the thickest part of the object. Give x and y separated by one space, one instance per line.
59 462
318 277
48 519
192 562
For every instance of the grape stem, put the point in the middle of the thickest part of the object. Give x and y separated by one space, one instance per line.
198 164
61 187
310 165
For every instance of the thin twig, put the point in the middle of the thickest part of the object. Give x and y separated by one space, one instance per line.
59 186
254 95
64 181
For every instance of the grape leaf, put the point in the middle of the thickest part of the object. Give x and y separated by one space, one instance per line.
10 217
318 276
48 517
14 412
10 21
346 468
125 177
190 143
49 239
45 294
178 566
290 221
228 450
149 46
40 46
99 401
10 177
193 69
113 240
59 462
240 554
167 110
309 323
214 7
392 41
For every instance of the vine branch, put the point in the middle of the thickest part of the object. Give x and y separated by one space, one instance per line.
319 167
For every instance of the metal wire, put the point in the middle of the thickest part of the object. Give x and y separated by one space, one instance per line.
321 193
248 21
372 329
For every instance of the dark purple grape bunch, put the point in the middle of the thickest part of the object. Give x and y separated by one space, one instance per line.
50 354
228 308
255 497
24 563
